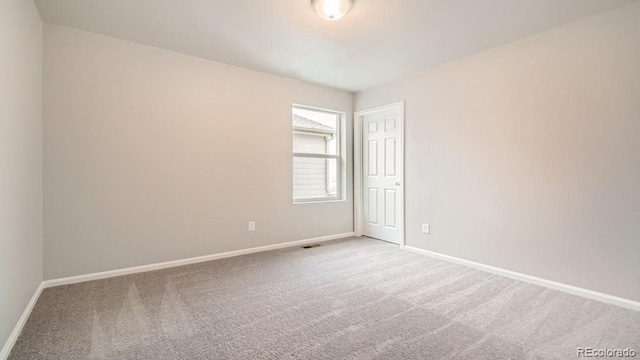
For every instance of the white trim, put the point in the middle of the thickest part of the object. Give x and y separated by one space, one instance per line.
170 264
317 156
341 157
357 175
585 293
357 169
11 341
319 109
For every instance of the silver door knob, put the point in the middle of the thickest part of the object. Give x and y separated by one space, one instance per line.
398 183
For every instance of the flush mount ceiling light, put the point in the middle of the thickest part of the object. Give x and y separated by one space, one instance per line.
332 9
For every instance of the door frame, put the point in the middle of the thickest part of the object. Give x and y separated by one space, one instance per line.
358 197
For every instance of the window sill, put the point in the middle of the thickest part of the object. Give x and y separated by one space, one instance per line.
302 202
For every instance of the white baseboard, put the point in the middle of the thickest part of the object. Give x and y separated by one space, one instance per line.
169 264
6 349
589 294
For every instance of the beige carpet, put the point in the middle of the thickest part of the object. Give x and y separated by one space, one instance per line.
348 299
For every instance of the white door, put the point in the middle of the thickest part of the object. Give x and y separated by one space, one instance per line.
382 168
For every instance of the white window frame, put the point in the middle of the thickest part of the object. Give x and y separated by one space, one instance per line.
339 157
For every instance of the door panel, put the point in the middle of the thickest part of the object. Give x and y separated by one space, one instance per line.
390 157
373 206
390 211
373 127
373 158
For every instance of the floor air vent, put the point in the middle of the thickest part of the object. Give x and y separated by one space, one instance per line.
310 246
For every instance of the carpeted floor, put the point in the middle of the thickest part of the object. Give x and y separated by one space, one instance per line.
347 299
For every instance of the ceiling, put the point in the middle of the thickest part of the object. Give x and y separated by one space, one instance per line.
377 42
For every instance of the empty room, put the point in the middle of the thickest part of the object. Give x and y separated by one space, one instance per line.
319 179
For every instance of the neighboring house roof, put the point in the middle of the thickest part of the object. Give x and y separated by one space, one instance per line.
302 123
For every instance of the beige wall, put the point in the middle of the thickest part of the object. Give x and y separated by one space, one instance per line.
527 156
153 156
20 159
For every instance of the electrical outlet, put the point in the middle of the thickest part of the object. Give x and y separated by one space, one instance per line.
426 228
252 226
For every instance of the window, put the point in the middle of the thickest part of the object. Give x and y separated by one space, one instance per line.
317 154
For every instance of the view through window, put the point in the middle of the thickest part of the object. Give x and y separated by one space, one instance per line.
316 154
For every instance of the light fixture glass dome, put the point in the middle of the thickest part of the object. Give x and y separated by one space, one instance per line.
332 9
